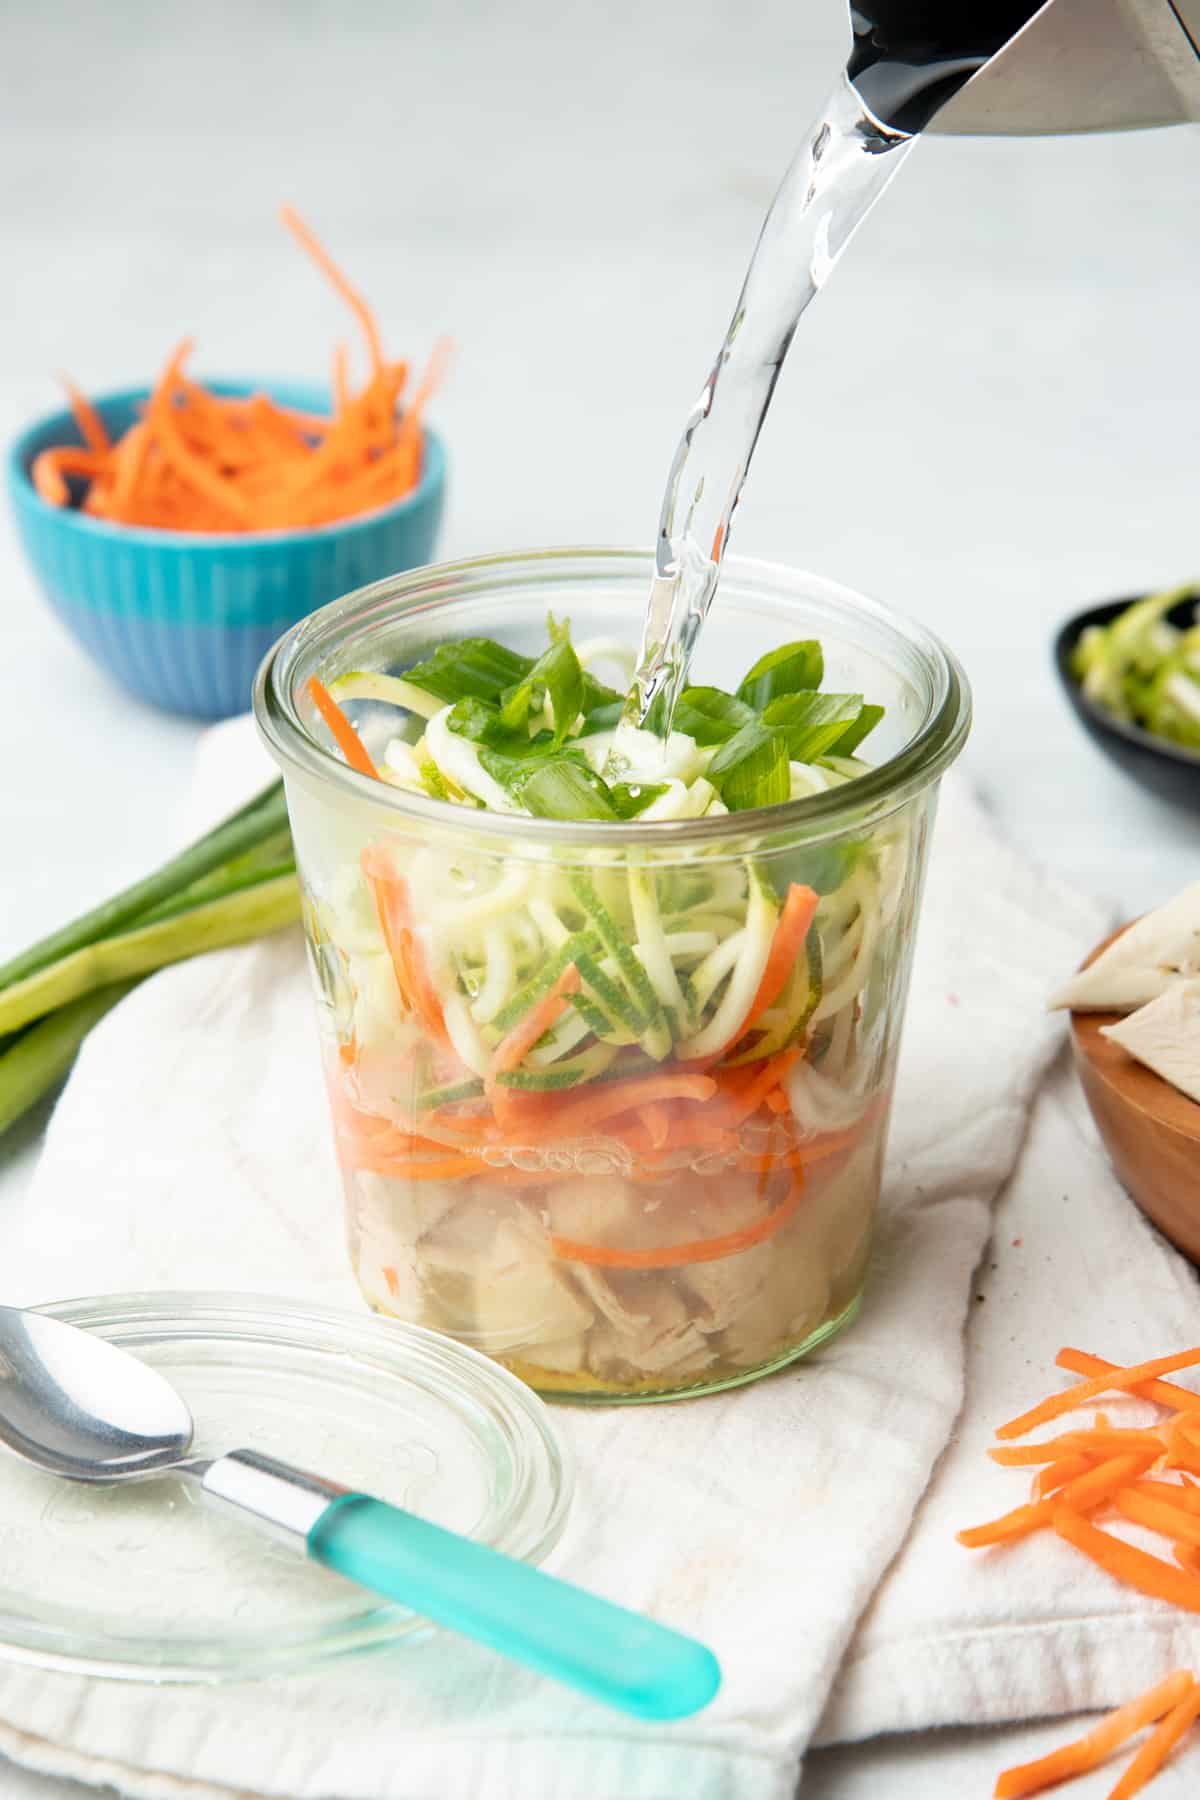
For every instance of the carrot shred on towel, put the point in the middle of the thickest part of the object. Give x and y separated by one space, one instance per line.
1143 1475
1125 1562
345 736
1113 1378
1093 1442
1097 1745
1159 1745
1165 1393
1056 1475
1184 1495
1159 1515
1085 1493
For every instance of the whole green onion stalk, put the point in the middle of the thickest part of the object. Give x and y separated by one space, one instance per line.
234 884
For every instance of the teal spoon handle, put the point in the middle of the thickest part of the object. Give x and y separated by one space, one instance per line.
616 1656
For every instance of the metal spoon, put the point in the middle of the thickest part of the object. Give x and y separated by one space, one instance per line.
77 1406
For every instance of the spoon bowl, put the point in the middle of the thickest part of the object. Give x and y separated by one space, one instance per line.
103 1416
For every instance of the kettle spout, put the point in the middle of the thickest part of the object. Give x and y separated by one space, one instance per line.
1068 66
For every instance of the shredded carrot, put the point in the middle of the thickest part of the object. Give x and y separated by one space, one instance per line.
50 467
207 462
91 426
439 1168
1164 1392
1113 1378
417 990
522 1178
1159 1515
1064 1493
1098 1745
1094 1442
799 910
1083 1494
1058 1474
616 1097
341 380
1183 1495
392 1279
657 1121
1158 1746
350 295
602 1256
347 739
740 1100
540 1018
1136 1568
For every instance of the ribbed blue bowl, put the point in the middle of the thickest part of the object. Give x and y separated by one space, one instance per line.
183 619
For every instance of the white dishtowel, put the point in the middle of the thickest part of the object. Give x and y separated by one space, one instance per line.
190 1149
1031 1629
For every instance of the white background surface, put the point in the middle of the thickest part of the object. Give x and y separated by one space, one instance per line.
990 420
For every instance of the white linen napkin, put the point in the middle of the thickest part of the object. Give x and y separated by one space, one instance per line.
1031 1629
190 1149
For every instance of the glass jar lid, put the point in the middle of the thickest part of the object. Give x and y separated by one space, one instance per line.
147 1581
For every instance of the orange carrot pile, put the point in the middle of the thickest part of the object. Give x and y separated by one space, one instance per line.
200 461
1146 1475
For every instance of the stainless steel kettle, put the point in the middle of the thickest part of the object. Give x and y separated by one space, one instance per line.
1071 65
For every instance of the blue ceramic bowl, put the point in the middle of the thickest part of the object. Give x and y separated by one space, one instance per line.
181 618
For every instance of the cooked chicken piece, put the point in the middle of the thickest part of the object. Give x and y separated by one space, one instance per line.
788 1307
490 1268
400 1211
669 1339
386 1219
592 1209
390 1286
725 1288
600 1288
842 1206
564 1356
818 1102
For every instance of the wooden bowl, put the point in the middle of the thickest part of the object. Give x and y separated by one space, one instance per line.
1150 1130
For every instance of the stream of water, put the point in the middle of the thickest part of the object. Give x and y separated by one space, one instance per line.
909 58
842 168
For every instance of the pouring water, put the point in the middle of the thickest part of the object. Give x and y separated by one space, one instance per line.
910 62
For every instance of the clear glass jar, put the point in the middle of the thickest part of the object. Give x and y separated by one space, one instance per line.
652 1221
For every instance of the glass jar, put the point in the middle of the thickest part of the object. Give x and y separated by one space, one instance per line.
633 1211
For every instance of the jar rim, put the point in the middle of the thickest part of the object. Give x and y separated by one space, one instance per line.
856 804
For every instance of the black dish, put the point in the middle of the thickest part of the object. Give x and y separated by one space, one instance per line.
1168 769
